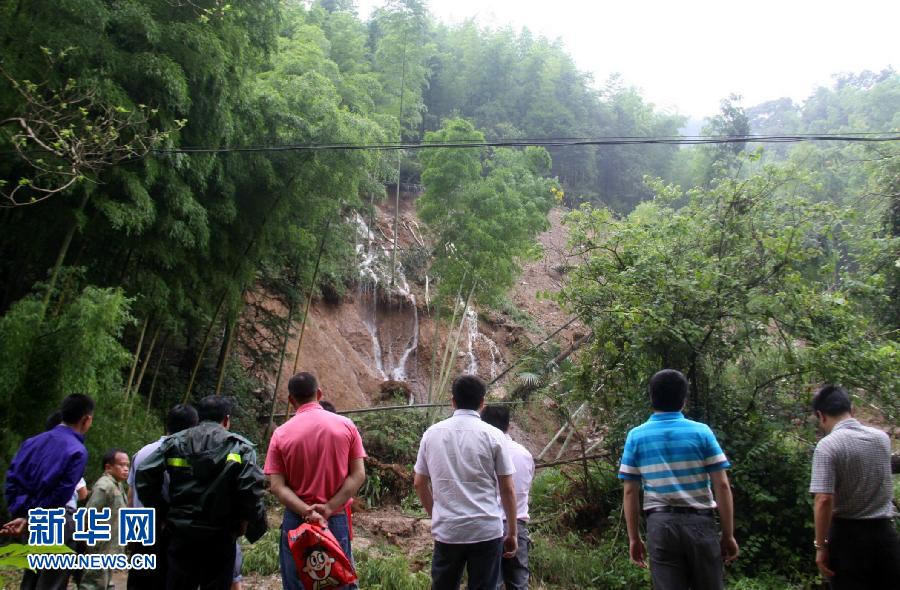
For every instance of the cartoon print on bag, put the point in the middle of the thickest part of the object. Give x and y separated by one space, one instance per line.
318 567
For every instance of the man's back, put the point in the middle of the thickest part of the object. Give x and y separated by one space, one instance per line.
214 482
46 470
854 463
673 457
524 464
313 451
463 457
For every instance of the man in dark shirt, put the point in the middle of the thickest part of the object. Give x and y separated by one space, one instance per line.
215 495
44 474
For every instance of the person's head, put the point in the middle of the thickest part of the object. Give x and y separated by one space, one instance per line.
181 417
77 412
304 388
215 408
468 392
116 464
327 405
831 404
496 416
53 420
668 389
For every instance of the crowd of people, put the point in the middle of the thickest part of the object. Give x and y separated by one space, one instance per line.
207 489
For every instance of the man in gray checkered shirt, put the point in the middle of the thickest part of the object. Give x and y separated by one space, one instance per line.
856 543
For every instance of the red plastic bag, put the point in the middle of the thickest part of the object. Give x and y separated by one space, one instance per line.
320 560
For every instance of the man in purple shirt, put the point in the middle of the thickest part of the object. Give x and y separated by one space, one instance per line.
44 474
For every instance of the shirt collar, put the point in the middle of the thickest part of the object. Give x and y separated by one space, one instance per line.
467 413
309 407
66 430
667 416
848 423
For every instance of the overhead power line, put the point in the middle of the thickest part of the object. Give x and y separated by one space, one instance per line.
864 137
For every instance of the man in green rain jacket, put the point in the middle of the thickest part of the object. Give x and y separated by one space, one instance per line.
215 495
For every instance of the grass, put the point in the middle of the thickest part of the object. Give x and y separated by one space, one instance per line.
388 572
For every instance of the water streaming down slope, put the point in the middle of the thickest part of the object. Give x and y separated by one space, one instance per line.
375 271
473 336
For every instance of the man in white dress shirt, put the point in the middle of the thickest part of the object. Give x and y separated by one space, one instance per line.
515 569
460 463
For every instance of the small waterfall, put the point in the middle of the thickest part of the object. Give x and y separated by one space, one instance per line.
399 372
374 270
473 335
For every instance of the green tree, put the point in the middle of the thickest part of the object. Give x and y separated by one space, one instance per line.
736 289
484 213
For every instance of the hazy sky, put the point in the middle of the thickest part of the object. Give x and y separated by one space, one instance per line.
689 54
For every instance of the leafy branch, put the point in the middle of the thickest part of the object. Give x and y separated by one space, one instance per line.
64 135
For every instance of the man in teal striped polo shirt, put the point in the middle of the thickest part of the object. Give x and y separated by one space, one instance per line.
676 460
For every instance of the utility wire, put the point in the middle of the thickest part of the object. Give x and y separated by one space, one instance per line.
863 137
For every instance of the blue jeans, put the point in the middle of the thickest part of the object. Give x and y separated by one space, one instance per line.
337 524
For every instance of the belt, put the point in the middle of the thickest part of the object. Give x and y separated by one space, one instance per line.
680 510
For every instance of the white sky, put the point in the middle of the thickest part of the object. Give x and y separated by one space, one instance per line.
687 55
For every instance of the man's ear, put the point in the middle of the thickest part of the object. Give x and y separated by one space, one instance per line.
318 394
226 423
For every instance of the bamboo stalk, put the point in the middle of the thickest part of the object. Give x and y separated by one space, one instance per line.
159 361
284 341
312 288
225 354
202 351
147 356
137 357
60 258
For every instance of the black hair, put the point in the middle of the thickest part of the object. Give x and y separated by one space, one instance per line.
303 386
75 407
468 392
53 420
181 417
214 408
831 400
328 406
668 389
109 457
496 416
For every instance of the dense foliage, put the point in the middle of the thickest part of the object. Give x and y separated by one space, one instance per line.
144 272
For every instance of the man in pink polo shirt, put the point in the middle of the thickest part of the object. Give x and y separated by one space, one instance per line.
315 465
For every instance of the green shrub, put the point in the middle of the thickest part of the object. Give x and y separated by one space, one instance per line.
262 557
393 437
388 573
575 562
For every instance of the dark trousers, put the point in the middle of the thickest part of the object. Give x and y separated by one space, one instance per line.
150 579
864 554
339 527
206 563
685 552
515 569
480 560
52 579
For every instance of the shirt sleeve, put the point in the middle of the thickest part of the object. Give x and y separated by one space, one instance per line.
629 468
274 458
421 466
822 480
503 462
356 446
714 458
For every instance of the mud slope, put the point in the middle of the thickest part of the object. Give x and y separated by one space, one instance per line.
357 345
